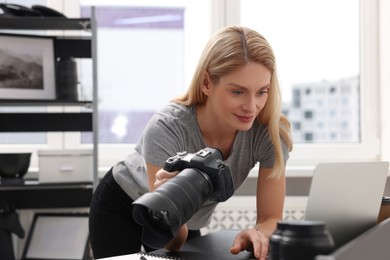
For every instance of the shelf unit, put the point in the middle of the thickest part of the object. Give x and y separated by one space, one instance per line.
45 23
64 46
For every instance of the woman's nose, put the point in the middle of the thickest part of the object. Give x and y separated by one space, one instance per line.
250 105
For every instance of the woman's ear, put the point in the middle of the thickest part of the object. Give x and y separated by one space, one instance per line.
206 84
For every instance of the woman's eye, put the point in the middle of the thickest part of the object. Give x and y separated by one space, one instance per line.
263 92
237 92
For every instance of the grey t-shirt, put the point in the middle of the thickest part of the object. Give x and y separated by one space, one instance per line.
173 129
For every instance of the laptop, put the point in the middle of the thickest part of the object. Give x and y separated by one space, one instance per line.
347 197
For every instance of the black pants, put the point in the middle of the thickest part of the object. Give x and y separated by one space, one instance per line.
112 229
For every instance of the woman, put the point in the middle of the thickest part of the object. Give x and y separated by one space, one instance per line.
233 104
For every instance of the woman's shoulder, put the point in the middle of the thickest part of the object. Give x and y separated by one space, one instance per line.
172 118
176 111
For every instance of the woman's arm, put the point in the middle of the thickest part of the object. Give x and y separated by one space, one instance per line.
156 177
152 170
270 201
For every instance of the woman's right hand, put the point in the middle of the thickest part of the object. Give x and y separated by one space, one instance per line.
178 241
163 176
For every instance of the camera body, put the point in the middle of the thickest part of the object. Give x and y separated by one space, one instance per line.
209 162
202 176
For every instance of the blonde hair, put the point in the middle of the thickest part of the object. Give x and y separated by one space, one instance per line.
228 49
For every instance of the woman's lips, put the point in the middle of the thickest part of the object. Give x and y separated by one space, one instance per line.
245 119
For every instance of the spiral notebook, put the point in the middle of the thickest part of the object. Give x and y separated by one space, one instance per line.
142 256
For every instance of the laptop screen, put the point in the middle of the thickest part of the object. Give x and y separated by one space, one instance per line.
347 197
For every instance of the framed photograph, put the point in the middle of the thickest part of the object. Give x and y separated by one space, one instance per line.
27 67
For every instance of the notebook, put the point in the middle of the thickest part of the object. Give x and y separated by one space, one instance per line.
142 256
347 197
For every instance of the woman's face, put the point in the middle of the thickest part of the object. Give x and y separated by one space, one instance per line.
239 96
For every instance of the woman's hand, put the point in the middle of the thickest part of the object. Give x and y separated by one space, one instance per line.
251 240
177 242
163 176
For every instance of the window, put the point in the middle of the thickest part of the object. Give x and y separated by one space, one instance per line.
146 45
314 50
308 114
308 137
296 99
147 52
325 55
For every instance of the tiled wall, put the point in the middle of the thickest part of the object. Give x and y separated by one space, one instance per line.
240 213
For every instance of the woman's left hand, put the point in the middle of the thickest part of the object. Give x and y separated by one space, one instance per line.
163 176
252 240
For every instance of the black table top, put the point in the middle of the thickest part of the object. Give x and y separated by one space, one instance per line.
212 246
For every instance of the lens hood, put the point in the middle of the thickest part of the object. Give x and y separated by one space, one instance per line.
157 231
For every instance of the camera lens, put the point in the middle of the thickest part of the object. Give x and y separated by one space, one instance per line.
163 211
275 240
303 240
160 218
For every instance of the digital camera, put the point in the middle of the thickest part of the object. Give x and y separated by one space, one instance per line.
203 176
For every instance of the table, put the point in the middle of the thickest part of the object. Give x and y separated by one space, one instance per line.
213 246
373 244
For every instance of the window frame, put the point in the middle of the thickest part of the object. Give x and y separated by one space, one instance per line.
369 147
384 66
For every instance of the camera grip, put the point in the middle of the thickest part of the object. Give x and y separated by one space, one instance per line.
176 163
